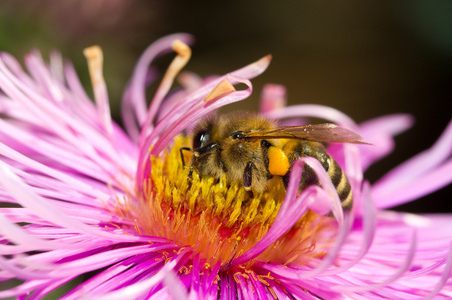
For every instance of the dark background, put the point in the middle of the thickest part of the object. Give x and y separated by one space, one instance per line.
365 59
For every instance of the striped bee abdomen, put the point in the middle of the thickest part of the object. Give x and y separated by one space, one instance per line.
296 149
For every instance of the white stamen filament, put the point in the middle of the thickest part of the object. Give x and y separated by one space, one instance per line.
183 56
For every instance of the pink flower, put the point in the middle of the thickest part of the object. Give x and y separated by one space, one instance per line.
114 211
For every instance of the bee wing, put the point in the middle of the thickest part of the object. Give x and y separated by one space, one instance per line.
324 133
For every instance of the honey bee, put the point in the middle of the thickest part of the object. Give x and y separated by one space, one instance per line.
251 149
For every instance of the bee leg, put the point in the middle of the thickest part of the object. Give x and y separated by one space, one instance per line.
286 179
190 174
247 178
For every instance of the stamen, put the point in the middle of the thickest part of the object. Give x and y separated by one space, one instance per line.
95 60
183 56
222 89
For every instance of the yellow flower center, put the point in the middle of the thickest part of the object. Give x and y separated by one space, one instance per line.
218 220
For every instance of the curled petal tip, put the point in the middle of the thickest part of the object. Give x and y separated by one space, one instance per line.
265 60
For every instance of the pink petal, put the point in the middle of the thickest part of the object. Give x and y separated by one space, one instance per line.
23 194
407 173
379 132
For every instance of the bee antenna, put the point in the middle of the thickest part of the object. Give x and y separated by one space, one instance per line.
182 154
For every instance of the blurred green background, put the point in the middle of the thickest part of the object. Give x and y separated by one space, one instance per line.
365 59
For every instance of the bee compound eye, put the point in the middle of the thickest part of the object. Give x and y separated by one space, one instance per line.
201 139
